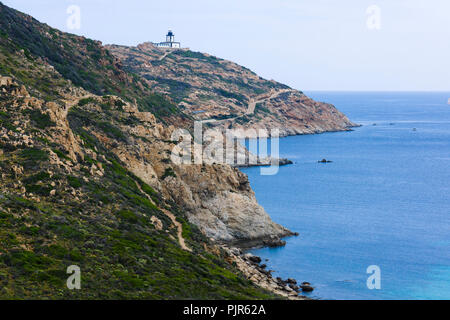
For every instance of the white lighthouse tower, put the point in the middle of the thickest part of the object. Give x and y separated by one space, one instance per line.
170 42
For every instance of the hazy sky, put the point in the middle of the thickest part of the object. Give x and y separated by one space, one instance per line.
307 44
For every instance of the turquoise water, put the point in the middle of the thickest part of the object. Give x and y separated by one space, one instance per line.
385 200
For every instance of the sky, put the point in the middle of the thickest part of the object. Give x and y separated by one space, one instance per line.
346 45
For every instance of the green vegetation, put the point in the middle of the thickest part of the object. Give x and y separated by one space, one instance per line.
178 90
168 173
86 101
74 182
61 154
5 121
200 56
41 120
243 120
41 176
119 251
261 109
223 116
32 157
231 95
191 54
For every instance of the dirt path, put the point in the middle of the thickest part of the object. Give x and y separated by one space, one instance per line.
179 228
164 56
253 103
251 106
173 219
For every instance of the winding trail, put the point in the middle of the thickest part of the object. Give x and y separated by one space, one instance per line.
251 106
172 217
253 102
179 229
164 55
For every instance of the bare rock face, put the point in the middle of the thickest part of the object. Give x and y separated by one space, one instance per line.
220 201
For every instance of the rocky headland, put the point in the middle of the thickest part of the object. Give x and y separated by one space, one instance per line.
227 95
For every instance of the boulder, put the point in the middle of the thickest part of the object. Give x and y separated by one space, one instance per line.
274 242
306 287
291 281
255 259
294 287
252 258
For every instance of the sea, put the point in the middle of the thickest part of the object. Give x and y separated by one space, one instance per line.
382 204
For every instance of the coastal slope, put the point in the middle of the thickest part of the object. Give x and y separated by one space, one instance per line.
87 180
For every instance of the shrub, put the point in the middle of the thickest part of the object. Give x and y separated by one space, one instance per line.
74 182
86 101
41 176
5 121
168 173
34 154
61 154
39 190
41 120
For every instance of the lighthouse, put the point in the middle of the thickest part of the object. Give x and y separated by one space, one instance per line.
170 42
170 37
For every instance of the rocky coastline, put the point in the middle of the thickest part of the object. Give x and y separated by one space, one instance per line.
252 268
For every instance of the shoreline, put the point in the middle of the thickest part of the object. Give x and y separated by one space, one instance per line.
252 269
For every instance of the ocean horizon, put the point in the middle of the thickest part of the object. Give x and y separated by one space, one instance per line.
383 200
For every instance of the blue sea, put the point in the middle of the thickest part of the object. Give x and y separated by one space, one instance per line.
384 200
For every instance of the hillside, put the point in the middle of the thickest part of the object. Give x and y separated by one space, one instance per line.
231 96
87 180
85 62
